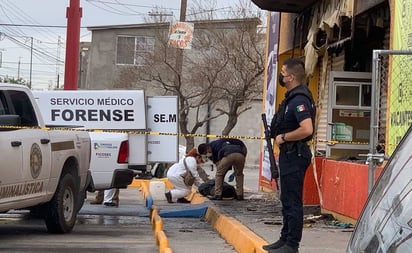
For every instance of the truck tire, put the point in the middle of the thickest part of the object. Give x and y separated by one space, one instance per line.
80 200
61 213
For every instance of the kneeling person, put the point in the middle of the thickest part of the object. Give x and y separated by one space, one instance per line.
175 175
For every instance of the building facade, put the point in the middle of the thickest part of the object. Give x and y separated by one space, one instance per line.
118 52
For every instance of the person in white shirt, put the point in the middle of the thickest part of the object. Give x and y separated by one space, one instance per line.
175 176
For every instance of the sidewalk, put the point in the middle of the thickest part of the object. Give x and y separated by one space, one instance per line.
256 221
261 214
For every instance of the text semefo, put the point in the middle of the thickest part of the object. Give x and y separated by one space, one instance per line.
92 115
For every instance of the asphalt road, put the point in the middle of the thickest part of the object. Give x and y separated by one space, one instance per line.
128 228
109 229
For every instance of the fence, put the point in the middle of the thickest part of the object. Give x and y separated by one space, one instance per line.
391 112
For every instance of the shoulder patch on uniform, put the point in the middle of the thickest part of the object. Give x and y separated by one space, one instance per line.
300 108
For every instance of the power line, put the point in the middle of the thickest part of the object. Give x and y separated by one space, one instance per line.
35 51
34 25
113 10
27 63
21 15
124 4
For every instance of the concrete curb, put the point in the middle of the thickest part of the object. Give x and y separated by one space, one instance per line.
160 236
155 220
235 233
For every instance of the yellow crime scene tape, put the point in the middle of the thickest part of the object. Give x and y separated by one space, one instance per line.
143 132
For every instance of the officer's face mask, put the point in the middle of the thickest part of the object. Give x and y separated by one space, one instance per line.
281 82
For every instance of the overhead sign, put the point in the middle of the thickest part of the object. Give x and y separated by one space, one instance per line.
93 109
181 35
162 117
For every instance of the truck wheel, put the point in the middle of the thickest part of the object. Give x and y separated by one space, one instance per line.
80 200
62 209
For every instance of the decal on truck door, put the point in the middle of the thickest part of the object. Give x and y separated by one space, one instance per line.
35 160
62 145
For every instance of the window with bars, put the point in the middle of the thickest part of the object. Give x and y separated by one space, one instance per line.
134 50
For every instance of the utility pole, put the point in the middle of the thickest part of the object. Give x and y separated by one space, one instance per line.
59 42
31 60
160 15
179 54
18 69
73 15
183 7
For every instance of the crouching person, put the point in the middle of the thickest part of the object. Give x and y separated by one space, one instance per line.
226 153
175 175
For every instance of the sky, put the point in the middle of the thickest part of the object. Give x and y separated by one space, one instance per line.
33 32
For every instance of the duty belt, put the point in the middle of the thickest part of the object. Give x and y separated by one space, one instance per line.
292 146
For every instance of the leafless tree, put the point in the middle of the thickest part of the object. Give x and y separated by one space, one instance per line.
209 10
220 75
162 76
231 63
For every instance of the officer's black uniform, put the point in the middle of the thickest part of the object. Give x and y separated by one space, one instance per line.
294 159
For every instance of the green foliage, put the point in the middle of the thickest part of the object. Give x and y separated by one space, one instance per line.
14 80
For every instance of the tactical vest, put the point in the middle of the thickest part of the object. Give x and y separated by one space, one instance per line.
277 126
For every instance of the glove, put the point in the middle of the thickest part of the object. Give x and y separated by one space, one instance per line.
232 177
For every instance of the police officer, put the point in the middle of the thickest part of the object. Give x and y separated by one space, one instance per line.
291 127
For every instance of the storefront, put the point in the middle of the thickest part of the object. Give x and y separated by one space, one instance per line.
337 39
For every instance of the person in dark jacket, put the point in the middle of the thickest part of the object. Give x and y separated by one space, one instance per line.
291 127
226 153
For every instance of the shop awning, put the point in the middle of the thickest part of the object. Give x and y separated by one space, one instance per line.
294 6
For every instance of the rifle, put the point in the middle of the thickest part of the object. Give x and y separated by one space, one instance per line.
273 166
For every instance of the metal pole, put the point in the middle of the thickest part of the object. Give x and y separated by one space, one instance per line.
373 122
179 54
18 69
374 111
73 14
31 60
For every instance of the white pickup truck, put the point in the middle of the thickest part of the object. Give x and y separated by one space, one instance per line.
43 170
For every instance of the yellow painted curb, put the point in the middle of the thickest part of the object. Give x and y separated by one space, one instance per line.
138 183
159 234
234 232
162 242
196 198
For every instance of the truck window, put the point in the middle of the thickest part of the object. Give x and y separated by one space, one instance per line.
24 108
4 110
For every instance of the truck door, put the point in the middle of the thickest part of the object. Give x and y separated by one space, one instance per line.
25 152
11 164
36 150
10 155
